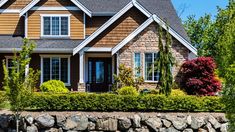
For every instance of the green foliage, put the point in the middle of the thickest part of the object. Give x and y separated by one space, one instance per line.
54 86
19 86
113 102
128 90
126 77
201 34
164 63
178 92
3 97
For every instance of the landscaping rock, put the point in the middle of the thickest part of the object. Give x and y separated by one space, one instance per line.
124 123
4 121
172 129
154 123
188 130
221 119
162 129
197 122
209 127
143 117
29 119
214 122
166 123
141 130
92 119
45 121
202 130
78 122
179 123
32 128
91 126
189 120
60 120
108 124
53 130
136 121
224 127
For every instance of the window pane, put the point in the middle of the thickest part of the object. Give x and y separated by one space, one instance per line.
137 64
148 66
64 70
47 24
46 69
64 25
55 26
55 68
99 72
156 72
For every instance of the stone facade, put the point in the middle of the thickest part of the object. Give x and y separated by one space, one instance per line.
147 42
116 122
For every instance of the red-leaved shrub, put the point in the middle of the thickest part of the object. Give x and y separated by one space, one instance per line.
198 77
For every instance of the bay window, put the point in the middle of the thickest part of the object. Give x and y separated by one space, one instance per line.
151 72
55 25
55 68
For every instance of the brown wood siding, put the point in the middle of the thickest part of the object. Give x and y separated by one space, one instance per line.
55 3
76 23
11 24
15 4
120 29
94 23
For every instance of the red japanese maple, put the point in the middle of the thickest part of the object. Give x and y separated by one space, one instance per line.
198 77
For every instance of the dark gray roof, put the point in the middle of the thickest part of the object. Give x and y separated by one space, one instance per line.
16 42
162 8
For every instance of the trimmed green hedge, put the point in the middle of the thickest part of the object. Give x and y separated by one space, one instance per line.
112 102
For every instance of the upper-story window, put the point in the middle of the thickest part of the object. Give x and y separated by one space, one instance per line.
55 25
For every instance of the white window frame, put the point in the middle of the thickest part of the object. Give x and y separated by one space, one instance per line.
56 56
134 68
149 81
55 15
7 60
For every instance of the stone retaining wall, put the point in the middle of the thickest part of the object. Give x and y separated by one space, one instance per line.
134 122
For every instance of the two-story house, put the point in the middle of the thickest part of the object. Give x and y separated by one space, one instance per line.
82 42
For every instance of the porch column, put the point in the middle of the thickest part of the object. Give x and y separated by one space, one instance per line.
81 85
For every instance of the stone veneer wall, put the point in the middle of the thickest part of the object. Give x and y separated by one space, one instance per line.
116 122
145 42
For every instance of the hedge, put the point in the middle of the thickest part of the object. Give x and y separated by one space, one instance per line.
113 102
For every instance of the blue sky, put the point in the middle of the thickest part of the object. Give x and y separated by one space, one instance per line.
198 7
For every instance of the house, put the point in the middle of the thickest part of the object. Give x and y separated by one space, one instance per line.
82 42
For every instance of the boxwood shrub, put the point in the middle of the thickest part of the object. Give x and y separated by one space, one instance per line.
113 102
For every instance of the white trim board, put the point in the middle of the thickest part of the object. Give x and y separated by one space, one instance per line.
62 8
146 24
38 50
3 2
28 7
133 3
9 10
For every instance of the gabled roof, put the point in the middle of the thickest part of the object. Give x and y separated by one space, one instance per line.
152 19
2 2
179 34
131 4
34 2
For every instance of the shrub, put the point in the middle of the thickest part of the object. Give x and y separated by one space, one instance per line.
3 97
198 77
128 90
54 86
113 102
178 92
126 78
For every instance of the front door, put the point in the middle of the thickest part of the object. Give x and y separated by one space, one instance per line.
99 74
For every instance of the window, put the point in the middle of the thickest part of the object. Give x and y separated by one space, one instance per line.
9 64
151 73
55 25
137 64
55 68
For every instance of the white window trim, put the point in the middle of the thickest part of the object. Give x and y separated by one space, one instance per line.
7 60
55 15
149 81
56 56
